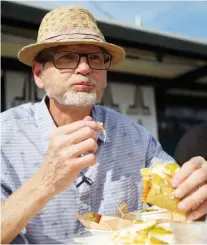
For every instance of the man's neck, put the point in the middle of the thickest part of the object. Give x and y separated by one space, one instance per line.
64 114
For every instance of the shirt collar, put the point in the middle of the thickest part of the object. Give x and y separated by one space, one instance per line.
46 123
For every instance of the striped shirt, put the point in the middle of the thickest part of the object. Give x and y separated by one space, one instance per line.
116 176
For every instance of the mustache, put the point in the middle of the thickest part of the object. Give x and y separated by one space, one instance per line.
77 78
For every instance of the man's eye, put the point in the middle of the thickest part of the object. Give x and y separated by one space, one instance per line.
68 57
95 57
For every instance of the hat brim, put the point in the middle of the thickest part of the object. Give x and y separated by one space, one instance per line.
28 53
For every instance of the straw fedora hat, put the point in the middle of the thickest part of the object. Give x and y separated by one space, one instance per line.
66 26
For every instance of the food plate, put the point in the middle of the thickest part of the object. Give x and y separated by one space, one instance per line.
147 216
94 240
191 233
95 232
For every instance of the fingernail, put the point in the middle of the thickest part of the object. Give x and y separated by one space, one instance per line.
182 206
174 183
178 193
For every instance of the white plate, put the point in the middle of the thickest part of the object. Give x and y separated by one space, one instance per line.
94 240
100 232
154 215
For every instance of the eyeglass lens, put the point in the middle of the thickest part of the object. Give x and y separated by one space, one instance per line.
70 60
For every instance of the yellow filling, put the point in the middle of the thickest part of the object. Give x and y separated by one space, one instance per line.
103 130
157 189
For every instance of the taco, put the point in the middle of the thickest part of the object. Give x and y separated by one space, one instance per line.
157 189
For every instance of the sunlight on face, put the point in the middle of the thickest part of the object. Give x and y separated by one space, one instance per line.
64 85
64 93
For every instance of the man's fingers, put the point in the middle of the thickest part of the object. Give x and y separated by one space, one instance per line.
198 213
194 200
73 127
192 182
74 151
82 162
187 169
82 135
89 145
64 141
88 118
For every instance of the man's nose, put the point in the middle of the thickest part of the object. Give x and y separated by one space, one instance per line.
83 67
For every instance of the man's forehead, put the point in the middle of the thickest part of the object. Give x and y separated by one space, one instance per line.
80 47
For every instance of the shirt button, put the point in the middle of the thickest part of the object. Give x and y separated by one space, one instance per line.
85 206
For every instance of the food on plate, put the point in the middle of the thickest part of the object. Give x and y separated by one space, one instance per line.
139 221
92 216
121 208
159 230
149 232
103 130
157 189
148 213
154 240
94 221
150 209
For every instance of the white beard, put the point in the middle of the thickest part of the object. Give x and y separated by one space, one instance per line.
77 98
72 97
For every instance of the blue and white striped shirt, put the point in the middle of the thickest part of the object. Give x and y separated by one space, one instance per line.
128 147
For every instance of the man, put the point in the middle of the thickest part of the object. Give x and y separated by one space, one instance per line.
51 149
193 143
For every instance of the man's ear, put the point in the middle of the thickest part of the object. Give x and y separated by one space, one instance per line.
37 70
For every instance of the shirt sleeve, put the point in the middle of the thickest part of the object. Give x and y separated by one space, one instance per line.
6 191
155 150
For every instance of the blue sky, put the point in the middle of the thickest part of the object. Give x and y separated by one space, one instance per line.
187 18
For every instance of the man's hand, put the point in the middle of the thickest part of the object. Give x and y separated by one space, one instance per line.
191 185
60 168
71 149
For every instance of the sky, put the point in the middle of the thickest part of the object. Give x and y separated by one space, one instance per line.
185 18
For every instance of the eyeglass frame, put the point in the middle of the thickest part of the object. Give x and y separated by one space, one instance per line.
52 54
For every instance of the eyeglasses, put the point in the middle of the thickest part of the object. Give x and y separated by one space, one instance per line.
70 60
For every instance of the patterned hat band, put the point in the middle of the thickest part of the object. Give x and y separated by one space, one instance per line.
73 37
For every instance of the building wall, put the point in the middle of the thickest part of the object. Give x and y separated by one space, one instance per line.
20 88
